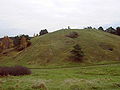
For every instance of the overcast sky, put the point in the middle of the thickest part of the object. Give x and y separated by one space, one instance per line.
30 16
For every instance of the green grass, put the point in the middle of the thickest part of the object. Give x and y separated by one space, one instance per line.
53 49
101 77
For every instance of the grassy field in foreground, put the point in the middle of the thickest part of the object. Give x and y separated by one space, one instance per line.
101 77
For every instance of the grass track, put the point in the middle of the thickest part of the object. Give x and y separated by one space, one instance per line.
76 66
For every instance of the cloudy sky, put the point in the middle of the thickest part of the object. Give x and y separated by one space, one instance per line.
30 16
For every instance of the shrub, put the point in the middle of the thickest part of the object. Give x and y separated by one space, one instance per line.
14 71
72 35
77 53
106 46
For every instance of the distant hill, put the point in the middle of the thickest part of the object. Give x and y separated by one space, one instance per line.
54 48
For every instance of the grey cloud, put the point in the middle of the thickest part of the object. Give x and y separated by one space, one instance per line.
29 16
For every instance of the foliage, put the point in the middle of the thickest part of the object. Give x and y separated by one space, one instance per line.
69 27
77 53
1 46
18 38
89 27
101 28
14 71
42 32
18 42
111 30
22 42
118 31
6 43
72 35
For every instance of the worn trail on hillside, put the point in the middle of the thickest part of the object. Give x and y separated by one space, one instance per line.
68 67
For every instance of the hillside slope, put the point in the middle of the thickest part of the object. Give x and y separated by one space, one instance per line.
54 48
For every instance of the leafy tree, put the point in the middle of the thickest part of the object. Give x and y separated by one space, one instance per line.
111 30
7 42
26 36
89 27
42 32
23 42
69 27
118 31
94 28
34 35
1 46
77 53
101 28
16 40
37 35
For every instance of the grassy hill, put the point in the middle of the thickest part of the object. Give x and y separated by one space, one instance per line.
54 49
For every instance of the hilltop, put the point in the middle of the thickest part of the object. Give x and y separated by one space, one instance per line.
54 49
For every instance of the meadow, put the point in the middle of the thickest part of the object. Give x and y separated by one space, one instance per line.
98 77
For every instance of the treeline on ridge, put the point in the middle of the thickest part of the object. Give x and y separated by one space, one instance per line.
18 42
109 30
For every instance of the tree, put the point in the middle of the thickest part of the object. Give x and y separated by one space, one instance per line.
16 40
69 27
42 32
101 28
7 42
118 31
111 30
37 35
89 27
1 46
23 42
34 35
77 53
26 36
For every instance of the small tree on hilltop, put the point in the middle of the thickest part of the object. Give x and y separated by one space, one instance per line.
42 32
118 31
77 53
111 30
101 28
69 27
